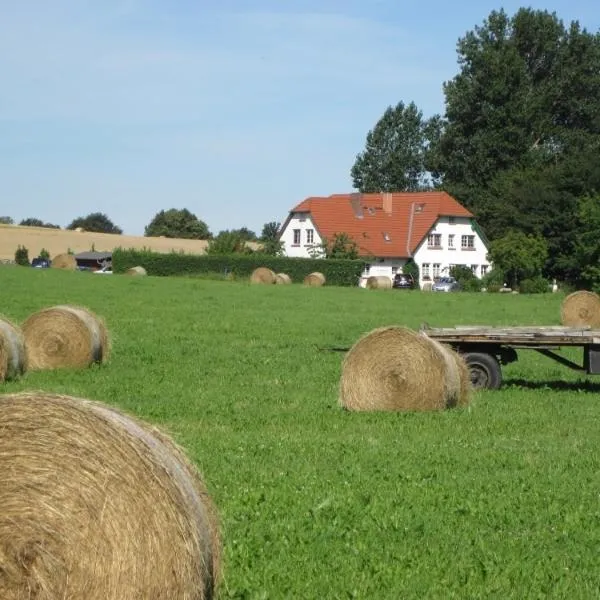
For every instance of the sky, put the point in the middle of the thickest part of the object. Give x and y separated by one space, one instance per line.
236 110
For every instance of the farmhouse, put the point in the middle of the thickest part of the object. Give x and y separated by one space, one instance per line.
431 228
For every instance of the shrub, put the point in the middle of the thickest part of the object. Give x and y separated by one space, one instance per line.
534 285
411 268
22 256
340 272
493 281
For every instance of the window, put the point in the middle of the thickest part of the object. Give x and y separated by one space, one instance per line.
310 236
367 269
425 270
484 270
434 240
296 237
474 269
436 269
394 270
451 220
451 241
467 242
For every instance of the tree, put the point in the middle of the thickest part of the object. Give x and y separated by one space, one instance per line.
44 254
270 239
341 245
6 221
177 223
97 222
587 242
228 242
518 256
395 155
32 222
22 256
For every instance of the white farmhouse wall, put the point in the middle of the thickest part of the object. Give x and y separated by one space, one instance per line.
302 223
381 266
436 261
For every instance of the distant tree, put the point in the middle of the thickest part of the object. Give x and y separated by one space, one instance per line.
395 156
44 254
22 256
270 239
177 223
6 221
518 256
587 242
411 268
245 234
32 222
341 245
97 222
228 242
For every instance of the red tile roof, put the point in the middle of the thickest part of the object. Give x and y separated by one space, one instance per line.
336 214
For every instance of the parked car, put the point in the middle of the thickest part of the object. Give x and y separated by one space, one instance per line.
41 263
446 284
104 270
403 281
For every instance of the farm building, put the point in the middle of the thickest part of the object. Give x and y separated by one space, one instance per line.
432 228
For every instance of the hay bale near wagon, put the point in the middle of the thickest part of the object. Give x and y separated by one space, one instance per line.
379 282
581 309
397 369
136 271
65 336
283 279
263 275
102 506
315 279
66 262
13 358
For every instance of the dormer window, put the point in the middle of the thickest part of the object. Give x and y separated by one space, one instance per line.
419 207
386 236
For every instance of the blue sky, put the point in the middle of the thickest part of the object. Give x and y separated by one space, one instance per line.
236 110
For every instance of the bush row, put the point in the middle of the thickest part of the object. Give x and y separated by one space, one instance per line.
337 271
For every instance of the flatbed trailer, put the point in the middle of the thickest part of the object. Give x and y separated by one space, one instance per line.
485 349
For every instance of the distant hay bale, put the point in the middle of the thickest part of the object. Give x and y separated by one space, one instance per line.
315 279
99 506
13 362
136 271
65 336
397 369
283 279
64 261
427 286
262 275
581 309
379 282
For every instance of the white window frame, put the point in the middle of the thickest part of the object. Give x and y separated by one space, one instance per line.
437 267
434 240
451 237
310 236
425 270
484 270
467 242
297 233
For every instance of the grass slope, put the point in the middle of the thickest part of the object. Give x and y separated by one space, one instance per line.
499 500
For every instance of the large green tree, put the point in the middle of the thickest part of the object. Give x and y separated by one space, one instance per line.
177 223
33 222
97 222
395 154
270 239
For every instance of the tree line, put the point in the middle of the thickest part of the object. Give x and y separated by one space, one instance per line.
518 144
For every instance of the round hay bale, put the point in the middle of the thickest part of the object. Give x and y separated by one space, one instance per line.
427 286
379 282
99 506
283 279
13 360
315 279
262 275
136 271
581 309
65 336
397 369
64 261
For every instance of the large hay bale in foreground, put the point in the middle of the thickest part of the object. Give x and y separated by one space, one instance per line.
262 275
64 261
13 361
99 506
136 271
581 309
65 336
379 282
397 369
283 279
315 279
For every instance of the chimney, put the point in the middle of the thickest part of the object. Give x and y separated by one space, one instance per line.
356 201
387 203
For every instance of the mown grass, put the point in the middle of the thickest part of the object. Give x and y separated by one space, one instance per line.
499 500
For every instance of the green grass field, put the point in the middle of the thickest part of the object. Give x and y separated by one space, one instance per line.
498 500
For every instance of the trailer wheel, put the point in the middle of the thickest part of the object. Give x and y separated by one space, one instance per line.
485 370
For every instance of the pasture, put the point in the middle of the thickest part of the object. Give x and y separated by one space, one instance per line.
496 500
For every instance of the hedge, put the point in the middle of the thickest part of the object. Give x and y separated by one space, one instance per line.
337 271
